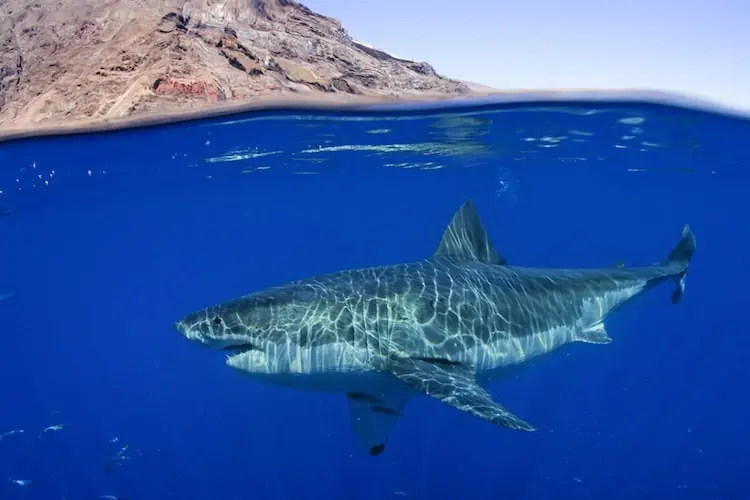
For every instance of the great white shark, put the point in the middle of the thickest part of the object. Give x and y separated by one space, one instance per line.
444 326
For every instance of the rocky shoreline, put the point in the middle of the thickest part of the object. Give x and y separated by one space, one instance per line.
66 62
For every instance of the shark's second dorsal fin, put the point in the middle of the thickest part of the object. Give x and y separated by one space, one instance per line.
466 239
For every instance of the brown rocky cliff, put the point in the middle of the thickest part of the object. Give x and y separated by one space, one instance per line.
70 60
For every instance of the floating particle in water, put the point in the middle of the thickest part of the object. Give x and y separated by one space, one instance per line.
425 148
124 454
507 185
552 139
427 165
52 428
114 440
570 159
632 120
21 482
241 154
11 433
581 133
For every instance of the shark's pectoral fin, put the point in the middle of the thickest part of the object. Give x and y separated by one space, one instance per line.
456 386
597 334
372 418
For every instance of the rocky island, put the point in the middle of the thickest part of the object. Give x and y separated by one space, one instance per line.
87 61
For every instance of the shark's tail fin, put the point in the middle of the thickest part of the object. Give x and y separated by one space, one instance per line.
680 257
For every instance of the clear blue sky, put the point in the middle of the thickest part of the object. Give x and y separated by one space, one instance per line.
700 47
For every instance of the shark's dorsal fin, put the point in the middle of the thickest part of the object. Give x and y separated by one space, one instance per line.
466 239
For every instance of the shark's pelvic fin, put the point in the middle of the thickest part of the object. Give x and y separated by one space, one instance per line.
372 418
466 239
681 256
597 334
456 386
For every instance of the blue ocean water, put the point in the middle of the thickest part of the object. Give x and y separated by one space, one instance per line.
106 239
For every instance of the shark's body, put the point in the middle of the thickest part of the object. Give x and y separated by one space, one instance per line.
441 326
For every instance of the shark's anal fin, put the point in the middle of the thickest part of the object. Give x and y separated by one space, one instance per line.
465 239
372 418
597 334
456 386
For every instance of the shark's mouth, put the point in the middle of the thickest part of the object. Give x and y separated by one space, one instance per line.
233 350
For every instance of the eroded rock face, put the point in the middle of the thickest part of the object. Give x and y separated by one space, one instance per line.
65 60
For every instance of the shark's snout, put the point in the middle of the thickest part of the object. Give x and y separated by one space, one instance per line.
211 329
182 328
197 331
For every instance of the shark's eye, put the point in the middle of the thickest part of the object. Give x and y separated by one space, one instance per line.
217 321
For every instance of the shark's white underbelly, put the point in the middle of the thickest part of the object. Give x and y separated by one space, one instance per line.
496 360
336 367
